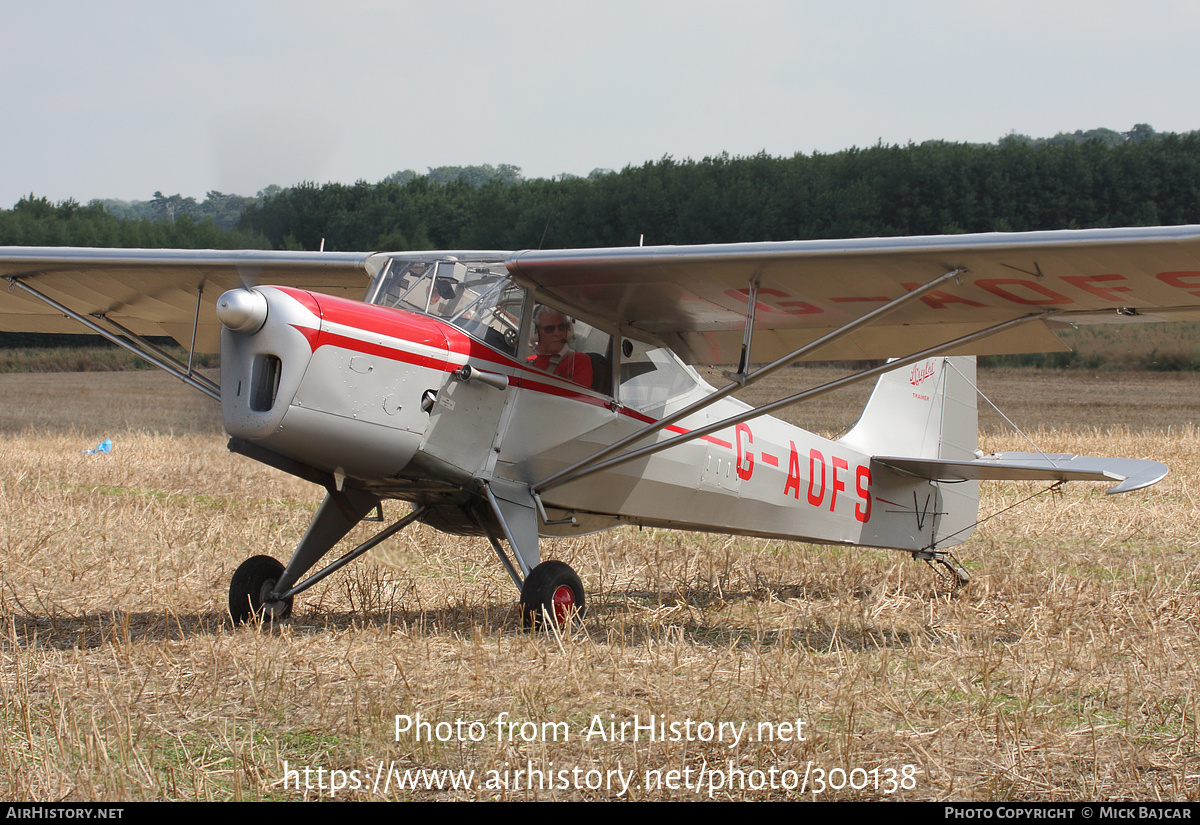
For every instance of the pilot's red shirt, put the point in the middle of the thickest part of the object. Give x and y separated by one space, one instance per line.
571 365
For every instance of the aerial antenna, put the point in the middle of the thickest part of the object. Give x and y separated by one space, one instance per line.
553 204
642 239
322 248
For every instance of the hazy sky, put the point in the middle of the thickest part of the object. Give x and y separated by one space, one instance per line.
120 98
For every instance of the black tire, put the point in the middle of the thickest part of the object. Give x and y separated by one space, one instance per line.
552 589
249 588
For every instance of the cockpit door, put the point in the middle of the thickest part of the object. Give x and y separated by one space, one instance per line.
466 420
464 423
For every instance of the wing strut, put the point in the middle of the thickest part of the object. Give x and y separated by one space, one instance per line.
748 335
741 380
139 346
195 326
592 464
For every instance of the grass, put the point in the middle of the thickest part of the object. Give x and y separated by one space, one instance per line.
1066 671
89 359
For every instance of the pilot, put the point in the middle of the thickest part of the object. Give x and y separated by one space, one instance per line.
553 333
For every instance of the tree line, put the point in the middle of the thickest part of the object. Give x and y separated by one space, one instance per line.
919 189
35 221
1074 180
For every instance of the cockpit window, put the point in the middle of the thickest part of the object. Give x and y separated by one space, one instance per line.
652 376
476 295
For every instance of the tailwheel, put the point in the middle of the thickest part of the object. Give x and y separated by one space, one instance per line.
951 569
552 589
250 591
959 573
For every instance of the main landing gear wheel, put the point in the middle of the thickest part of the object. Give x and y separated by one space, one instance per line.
552 589
250 591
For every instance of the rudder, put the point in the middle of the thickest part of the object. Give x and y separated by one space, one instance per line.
928 410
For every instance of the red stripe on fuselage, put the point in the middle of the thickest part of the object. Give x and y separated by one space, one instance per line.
562 392
369 318
429 332
306 299
309 334
333 339
406 325
672 428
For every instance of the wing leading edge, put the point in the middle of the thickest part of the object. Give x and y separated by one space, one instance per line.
694 298
156 291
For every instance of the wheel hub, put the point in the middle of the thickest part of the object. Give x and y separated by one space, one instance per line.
564 603
271 607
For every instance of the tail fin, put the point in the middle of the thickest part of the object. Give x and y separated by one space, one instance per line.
928 410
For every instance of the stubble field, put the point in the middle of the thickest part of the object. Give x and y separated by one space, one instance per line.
1067 670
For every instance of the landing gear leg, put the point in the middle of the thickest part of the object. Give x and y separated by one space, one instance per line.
551 591
264 585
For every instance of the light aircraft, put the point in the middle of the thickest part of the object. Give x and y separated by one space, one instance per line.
547 393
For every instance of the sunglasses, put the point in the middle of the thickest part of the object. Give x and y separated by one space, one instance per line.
546 329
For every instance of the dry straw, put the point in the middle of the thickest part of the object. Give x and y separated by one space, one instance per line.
1068 670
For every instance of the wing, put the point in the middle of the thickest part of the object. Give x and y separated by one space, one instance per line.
156 291
694 298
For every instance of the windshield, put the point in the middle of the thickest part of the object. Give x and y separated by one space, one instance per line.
474 294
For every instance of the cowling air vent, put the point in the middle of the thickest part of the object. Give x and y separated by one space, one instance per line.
264 378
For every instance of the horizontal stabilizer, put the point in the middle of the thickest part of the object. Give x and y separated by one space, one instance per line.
1132 473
